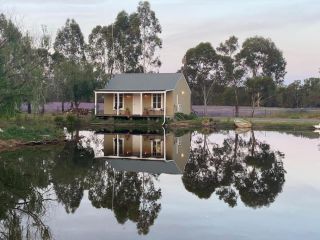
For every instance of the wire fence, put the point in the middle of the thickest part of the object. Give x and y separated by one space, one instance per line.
212 111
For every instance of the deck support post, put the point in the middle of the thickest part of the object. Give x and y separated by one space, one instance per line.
164 144
118 98
164 106
117 145
141 113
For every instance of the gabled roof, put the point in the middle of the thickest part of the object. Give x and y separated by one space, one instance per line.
143 82
148 166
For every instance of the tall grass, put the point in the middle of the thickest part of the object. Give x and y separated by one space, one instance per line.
29 127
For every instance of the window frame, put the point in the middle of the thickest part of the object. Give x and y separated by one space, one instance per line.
157 101
117 140
154 144
115 99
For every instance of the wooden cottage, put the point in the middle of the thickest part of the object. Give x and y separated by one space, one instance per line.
145 95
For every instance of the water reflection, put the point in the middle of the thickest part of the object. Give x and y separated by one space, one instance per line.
150 152
120 172
239 167
24 194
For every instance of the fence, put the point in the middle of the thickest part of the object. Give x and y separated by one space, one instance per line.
213 111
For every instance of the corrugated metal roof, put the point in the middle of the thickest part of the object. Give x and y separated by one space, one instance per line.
148 166
143 82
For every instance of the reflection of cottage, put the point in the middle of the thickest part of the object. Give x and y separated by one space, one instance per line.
152 153
140 95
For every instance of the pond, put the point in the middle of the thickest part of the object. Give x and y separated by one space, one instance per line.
161 185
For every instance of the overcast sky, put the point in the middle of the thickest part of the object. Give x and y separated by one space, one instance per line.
294 25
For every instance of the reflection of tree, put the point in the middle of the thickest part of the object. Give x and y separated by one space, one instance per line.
69 174
30 178
131 196
24 193
248 168
262 180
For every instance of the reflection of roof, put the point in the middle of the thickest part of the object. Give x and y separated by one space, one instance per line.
131 133
143 82
148 166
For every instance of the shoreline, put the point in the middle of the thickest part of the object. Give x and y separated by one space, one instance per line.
201 123
218 122
13 144
257 123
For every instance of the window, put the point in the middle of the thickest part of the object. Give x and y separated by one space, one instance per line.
156 101
156 147
179 107
118 150
120 101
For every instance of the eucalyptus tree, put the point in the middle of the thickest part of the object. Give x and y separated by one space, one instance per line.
261 90
73 74
101 50
262 58
310 91
42 89
234 70
150 29
130 44
20 69
69 42
127 42
203 69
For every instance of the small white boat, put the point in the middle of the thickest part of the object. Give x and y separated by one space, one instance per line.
241 123
317 126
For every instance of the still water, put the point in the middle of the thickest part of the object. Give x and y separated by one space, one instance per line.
160 185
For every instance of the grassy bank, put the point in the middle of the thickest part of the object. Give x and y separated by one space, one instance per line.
29 127
24 128
297 115
258 123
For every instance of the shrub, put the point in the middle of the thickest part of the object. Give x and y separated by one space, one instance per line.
59 120
72 120
181 116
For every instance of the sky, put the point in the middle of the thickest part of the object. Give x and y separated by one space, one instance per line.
294 25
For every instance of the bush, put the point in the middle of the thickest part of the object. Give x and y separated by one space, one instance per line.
72 120
181 116
59 120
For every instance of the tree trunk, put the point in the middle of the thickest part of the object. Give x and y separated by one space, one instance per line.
236 102
236 143
29 107
205 100
253 144
253 102
42 109
205 106
258 100
77 107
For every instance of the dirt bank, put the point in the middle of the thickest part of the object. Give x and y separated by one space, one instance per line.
14 144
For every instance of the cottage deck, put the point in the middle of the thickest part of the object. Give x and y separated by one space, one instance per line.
106 116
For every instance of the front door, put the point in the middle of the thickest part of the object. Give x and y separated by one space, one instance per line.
136 107
137 145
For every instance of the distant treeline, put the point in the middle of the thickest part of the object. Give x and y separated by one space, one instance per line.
251 74
299 94
68 68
